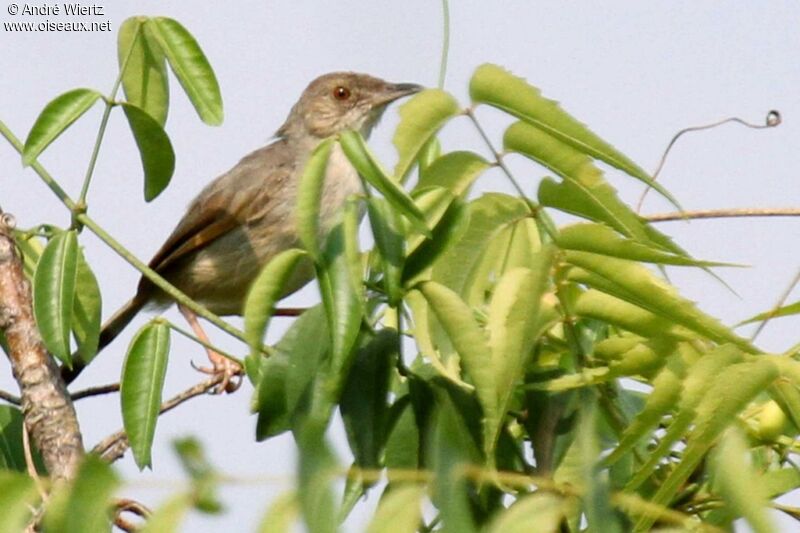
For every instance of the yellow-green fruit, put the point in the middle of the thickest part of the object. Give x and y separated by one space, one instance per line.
773 422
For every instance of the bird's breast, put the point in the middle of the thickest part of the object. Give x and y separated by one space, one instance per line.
341 181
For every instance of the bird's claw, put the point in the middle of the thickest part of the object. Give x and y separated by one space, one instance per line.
231 372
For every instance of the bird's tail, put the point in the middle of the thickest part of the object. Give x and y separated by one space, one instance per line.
108 333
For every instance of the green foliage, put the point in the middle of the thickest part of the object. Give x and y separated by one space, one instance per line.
155 149
85 504
140 388
143 68
18 496
487 365
190 66
54 293
56 117
420 119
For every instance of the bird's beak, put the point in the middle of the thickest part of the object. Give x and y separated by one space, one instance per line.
393 91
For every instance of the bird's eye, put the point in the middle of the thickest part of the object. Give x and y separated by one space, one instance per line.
341 93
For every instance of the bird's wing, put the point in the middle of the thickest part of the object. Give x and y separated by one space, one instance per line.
225 204
195 231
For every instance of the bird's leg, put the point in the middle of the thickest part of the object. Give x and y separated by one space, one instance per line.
220 364
289 311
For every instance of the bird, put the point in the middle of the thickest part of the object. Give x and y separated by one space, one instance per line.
245 217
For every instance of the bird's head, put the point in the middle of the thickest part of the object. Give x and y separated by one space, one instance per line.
340 101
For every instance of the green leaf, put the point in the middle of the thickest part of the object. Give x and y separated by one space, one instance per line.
399 511
342 295
309 196
420 118
499 88
12 454
266 290
387 231
205 479
144 77
403 443
288 373
785 310
694 386
489 215
738 484
470 341
636 284
368 167
429 153
446 232
317 468
31 248
87 506
664 398
455 171
596 200
141 386
364 403
596 500
630 317
86 312
56 117
54 293
730 392
190 66
421 313
169 515
155 150
433 202
449 448
779 482
18 498
281 514
600 239
512 316
541 512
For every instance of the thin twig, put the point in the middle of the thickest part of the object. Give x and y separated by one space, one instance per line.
794 512
445 42
104 121
498 157
725 213
125 525
133 507
201 342
773 119
114 446
10 398
778 305
95 391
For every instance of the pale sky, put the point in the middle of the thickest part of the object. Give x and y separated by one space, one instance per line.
635 72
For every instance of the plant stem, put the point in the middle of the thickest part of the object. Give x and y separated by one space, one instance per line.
778 305
445 42
104 122
725 213
535 209
200 341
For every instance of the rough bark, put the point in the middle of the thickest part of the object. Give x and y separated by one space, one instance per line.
49 414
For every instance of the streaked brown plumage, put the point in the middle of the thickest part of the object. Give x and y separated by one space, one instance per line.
245 217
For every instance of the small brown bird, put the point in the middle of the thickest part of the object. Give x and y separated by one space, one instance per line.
245 217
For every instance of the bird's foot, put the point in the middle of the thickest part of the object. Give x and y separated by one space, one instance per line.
232 372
